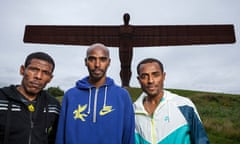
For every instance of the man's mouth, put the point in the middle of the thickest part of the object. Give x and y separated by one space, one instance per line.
35 85
97 71
150 87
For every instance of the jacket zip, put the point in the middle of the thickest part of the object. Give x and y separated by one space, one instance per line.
95 106
153 133
31 128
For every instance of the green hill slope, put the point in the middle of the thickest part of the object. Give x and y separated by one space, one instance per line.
219 113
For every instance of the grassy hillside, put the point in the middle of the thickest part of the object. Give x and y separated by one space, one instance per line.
219 113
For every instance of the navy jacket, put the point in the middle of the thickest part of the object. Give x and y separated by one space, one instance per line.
19 125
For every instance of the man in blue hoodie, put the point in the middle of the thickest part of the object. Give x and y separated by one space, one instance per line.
96 110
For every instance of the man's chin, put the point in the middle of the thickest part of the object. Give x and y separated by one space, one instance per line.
97 75
97 78
34 91
151 92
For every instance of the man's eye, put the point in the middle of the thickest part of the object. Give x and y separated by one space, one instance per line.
103 59
143 76
33 69
47 73
91 58
157 74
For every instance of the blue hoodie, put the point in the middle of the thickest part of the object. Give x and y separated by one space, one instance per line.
91 115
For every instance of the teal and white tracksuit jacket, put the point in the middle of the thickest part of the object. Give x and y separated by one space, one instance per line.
174 121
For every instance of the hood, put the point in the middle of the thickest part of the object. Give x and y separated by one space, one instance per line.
11 92
84 84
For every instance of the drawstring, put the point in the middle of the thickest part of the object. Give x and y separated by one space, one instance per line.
90 97
89 100
105 97
95 102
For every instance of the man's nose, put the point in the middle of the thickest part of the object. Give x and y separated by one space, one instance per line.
38 75
150 79
97 63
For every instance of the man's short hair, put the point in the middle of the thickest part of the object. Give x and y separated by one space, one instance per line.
150 60
41 56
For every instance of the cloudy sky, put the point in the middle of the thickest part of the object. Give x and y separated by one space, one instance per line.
213 68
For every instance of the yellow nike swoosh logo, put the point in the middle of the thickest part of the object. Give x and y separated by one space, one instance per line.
105 110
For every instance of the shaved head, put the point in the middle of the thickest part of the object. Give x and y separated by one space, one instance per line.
97 62
98 46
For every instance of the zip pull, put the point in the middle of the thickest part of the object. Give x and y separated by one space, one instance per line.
31 108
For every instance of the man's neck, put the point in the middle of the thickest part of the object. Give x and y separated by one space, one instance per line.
154 99
97 83
25 95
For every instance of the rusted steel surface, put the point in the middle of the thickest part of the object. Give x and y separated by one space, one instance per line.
126 37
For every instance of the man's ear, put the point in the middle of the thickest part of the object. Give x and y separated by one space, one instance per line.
164 75
85 60
138 77
50 79
109 62
22 70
